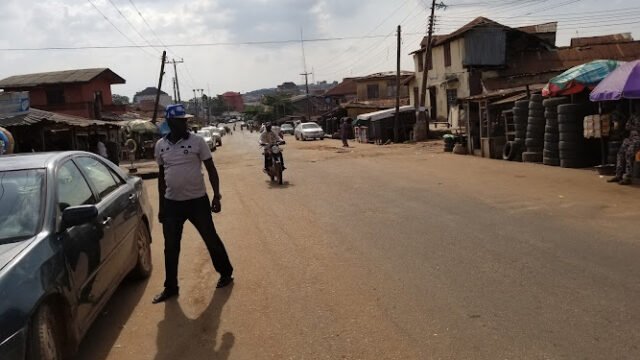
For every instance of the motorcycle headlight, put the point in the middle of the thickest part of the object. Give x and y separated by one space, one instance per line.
275 149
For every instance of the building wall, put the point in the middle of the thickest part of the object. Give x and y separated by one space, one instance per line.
383 88
165 100
439 74
235 101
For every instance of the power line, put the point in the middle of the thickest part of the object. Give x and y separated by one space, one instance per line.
130 24
115 27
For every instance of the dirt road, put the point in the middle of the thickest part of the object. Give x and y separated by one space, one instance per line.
394 253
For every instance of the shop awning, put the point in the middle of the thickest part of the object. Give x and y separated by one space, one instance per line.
383 114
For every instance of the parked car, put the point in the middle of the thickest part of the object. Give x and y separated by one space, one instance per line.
215 134
287 129
72 227
222 130
310 130
206 135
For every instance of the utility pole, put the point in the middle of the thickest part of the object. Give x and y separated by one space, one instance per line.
155 108
396 125
175 96
423 120
306 84
204 110
195 102
175 74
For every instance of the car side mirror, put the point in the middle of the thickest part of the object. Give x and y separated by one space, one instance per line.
78 215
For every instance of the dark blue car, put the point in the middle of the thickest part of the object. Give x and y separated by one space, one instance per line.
72 227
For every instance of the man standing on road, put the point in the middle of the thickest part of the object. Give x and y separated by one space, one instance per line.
183 197
627 153
345 131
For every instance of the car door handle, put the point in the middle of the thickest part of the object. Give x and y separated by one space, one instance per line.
107 221
133 197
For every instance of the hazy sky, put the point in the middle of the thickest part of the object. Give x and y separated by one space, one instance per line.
232 65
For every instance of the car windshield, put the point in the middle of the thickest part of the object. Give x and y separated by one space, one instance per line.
286 126
21 204
204 133
310 126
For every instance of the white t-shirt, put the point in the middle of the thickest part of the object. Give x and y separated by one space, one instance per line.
182 164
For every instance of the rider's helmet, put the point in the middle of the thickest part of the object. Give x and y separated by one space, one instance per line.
267 126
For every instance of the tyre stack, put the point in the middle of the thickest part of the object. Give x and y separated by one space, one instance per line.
520 120
535 131
614 147
570 129
551 152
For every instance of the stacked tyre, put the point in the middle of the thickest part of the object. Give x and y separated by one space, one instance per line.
551 152
513 149
535 131
570 129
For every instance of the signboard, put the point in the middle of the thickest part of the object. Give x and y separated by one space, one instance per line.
14 103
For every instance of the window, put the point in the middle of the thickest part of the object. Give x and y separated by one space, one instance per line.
99 175
73 189
391 89
452 98
22 197
447 54
373 91
55 96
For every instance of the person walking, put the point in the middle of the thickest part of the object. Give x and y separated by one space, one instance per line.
183 197
344 131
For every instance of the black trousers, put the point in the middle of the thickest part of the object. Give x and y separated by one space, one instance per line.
198 212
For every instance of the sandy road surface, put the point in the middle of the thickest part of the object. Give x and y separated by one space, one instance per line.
394 253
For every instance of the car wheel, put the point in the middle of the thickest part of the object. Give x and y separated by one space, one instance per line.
45 337
144 265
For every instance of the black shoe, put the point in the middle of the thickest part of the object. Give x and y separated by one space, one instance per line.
224 281
625 181
614 180
165 295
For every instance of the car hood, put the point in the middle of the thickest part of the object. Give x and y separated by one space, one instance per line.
10 251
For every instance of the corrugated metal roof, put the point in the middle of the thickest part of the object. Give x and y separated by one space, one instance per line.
346 87
35 116
549 27
600 40
58 77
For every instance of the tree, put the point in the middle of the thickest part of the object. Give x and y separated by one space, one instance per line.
120 99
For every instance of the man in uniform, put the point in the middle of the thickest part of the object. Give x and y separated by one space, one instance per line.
183 197
626 154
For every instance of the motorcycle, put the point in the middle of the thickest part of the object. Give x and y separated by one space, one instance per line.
274 164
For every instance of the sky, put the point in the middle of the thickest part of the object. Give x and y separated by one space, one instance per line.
253 44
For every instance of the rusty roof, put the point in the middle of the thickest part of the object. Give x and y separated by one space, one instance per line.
600 40
346 87
384 75
35 116
59 77
549 27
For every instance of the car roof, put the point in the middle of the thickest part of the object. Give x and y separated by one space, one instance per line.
37 160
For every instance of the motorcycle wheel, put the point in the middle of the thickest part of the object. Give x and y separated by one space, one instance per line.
279 167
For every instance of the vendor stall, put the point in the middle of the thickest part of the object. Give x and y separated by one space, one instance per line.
380 124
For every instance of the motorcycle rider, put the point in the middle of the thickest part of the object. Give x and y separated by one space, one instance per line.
268 137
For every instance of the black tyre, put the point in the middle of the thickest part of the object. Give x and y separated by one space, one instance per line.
279 173
568 109
522 104
536 113
532 157
569 137
569 128
549 145
144 266
46 335
536 129
551 161
550 114
510 151
533 142
567 146
551 153
554 102
537 98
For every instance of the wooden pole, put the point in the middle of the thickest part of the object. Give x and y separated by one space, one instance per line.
155 108
396 127
422 115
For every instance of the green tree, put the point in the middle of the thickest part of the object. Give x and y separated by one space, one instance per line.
120 99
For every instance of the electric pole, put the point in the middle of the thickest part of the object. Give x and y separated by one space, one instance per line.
175 75
396 125
155 108
175 96
423 120
195 102
306 84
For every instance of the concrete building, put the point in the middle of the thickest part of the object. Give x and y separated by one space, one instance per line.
380 88
149 95
234 101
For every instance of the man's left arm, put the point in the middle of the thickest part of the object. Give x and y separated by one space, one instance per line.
214 179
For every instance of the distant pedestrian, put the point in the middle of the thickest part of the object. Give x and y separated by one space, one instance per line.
183 197
627 153
345 130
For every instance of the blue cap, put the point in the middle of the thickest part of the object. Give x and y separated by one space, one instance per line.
176 111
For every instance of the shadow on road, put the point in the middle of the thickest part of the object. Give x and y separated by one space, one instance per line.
180 337
104 332
275 185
